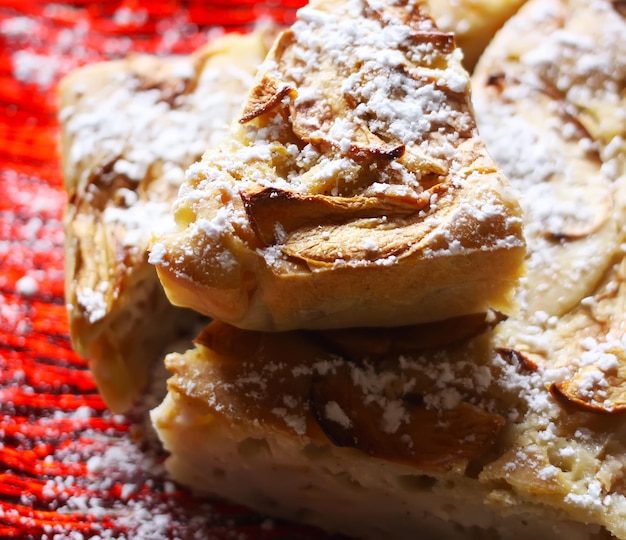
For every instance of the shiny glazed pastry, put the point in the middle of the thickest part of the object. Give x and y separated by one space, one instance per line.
129 130
353 191
477 427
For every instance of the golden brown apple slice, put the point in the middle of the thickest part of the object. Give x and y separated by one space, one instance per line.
596 388
275 213
395 426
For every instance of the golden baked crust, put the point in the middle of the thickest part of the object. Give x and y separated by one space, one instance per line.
516 428
129 130
353 191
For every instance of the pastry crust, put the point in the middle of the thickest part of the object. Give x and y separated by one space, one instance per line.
512 429
353 191
129 130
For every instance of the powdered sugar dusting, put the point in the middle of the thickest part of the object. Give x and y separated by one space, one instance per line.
570 346
335 413
149 118
389 145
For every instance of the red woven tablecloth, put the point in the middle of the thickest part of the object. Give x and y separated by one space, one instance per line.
68 467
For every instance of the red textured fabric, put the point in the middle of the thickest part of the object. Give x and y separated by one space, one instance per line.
68 467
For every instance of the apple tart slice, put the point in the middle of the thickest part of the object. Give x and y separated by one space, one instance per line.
129 130
469 428
417 437
353 191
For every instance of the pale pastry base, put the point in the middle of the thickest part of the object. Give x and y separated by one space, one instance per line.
133 338
342 490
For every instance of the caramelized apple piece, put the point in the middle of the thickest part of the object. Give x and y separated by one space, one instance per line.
271 210
518 358
264 97
593 204
597 388
314 118
444 41
395 426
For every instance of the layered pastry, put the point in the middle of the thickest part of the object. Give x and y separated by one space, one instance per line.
353 190
129 130
475 427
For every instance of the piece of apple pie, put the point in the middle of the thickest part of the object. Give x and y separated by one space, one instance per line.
118 104
353 191
477 427
129 130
